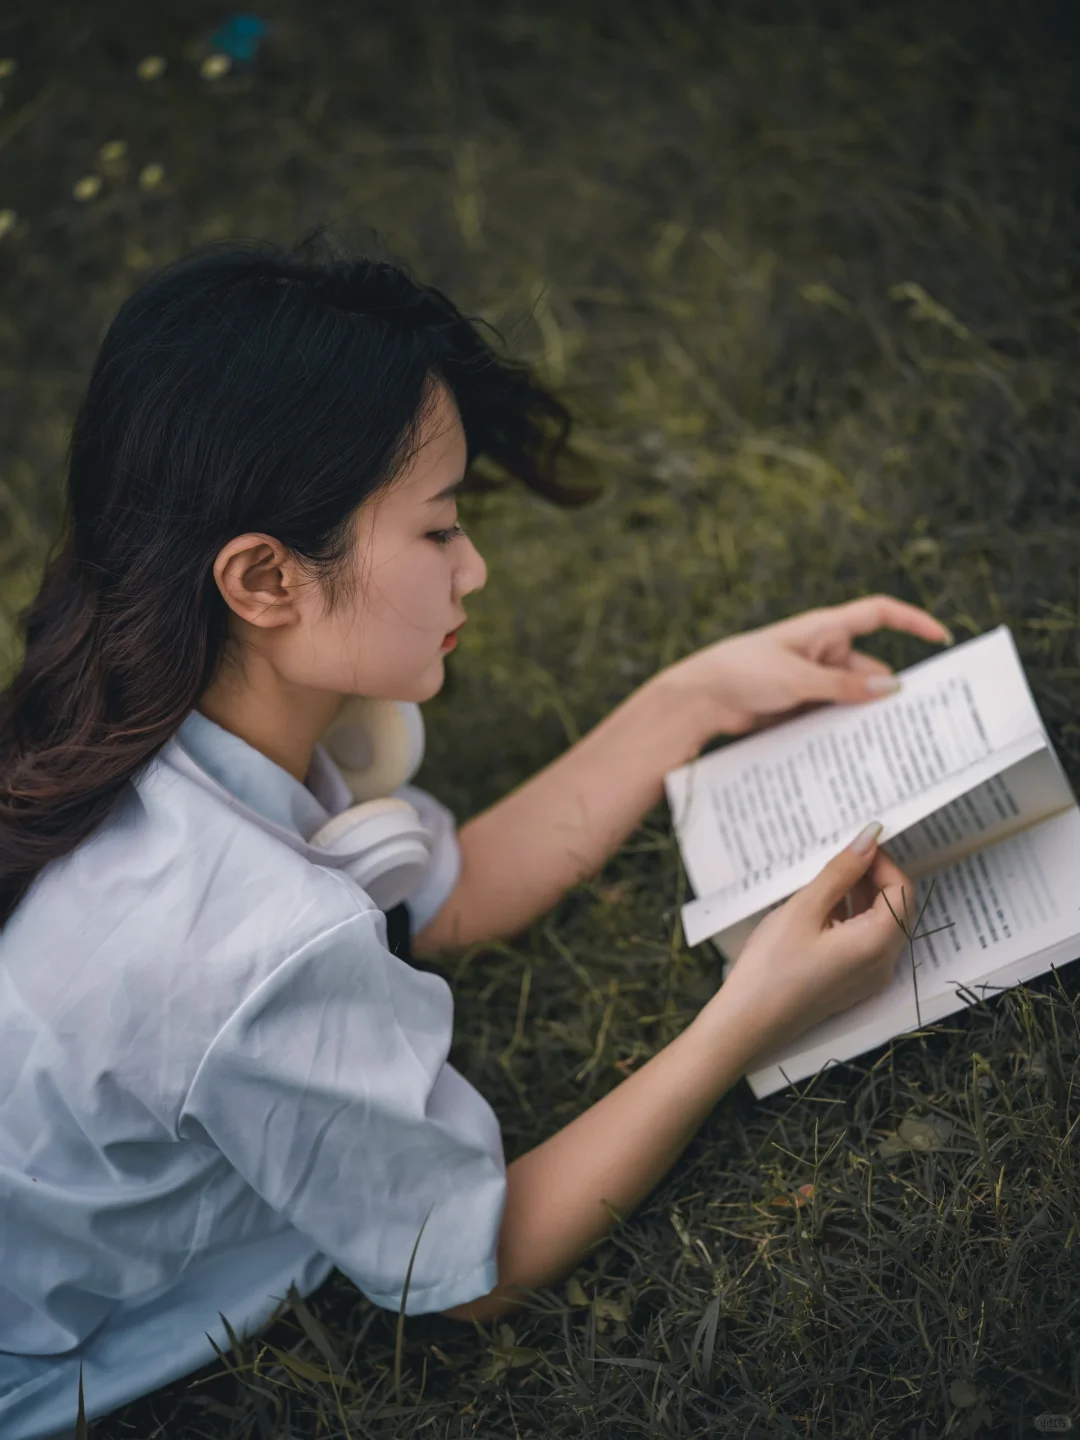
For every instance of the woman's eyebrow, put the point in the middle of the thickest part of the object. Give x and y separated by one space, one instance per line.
445 494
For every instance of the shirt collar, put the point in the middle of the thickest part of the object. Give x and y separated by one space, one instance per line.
261 783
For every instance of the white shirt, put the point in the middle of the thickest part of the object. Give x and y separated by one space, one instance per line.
217 1080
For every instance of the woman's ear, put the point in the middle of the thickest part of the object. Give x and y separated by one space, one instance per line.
258 579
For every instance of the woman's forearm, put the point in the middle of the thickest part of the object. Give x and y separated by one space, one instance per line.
522 854
615 1152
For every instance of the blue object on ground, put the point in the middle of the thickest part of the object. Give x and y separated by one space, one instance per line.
239 36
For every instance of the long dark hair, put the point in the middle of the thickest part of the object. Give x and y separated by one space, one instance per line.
244 387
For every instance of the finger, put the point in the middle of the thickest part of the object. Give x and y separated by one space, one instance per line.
833 882
863 894
893 905
766 722
867 664
885 871
840 912
897 898
829 682
877 928
885 612
859 898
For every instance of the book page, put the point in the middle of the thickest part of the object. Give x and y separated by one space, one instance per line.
1005 804
1001 916
766 800
755 824
1033 789
708 914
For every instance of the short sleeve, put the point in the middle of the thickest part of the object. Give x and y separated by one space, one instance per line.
444 867
329 1090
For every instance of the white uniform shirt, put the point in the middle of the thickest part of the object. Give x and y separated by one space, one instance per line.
217 1080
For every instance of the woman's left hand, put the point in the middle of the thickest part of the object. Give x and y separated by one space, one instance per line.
748 682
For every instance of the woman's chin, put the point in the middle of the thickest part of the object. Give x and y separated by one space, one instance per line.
433 679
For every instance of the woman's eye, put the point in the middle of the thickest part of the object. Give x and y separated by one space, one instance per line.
443 537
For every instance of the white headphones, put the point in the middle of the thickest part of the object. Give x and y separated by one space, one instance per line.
381 841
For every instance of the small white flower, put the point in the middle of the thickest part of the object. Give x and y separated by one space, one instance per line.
7 221
151 175
214 66
8 67
150 67
87 187
112 151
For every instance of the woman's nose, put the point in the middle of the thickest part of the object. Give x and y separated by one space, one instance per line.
478 571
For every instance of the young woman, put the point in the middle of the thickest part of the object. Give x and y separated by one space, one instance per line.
217 1078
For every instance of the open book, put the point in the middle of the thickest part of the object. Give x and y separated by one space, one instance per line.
961 772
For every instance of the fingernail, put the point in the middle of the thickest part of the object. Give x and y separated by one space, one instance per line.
882 684
866 837
950 638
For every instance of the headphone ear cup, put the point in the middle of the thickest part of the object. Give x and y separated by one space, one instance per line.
383 845
377 744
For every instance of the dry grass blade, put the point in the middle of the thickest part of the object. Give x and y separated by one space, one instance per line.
82 1431
399 1336
315 1332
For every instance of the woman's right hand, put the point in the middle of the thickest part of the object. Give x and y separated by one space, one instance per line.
805 961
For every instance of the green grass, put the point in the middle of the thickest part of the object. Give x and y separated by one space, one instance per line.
809 278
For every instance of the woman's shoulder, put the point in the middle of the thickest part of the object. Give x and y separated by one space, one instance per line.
165 920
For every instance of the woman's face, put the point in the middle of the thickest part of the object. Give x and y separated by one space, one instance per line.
385 638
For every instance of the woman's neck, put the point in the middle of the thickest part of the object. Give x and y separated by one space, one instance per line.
280 720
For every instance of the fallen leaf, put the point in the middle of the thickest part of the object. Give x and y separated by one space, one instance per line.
916 1133
575 1292
962 1392
804 1193
509 1358
928 1133
613 894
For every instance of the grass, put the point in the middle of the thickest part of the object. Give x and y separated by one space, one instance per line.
808 276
